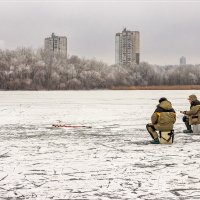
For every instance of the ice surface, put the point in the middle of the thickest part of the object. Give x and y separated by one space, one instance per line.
108 161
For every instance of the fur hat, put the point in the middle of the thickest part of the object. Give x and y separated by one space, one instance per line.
192 97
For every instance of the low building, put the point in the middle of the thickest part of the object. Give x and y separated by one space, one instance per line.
182 60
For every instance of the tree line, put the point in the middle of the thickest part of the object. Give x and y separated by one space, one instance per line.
25 69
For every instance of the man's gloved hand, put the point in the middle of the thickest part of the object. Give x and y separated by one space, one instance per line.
183 112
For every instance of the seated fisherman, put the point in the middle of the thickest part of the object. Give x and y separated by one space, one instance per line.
192 117
162 120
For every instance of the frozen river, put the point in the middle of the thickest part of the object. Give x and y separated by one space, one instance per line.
108 161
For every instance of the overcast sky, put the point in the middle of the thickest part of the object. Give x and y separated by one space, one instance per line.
168 29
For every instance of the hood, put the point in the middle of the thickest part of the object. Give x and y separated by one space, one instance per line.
165 105
195 102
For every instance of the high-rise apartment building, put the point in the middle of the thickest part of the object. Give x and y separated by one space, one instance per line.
56 44
127 47
183 60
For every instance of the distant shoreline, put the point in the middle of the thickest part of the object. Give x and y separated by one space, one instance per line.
152 87
158 87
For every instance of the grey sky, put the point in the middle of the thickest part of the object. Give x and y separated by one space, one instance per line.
168 29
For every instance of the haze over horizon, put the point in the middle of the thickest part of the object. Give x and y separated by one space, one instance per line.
168 29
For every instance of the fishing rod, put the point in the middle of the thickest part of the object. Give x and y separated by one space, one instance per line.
179 111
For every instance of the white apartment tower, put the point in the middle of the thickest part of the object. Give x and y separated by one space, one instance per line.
127 47
56 44
182 60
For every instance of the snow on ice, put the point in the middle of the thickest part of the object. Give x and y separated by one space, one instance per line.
108 161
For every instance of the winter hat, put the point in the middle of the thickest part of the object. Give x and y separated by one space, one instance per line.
192 97
162 99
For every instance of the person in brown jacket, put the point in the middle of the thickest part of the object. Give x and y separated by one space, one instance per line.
192 117
162 119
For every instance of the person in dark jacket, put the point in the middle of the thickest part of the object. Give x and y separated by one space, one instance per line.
162 119
192 117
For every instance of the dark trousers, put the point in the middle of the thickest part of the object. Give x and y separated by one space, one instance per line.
152 131
186 121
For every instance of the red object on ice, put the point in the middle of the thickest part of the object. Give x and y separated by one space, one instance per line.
70 126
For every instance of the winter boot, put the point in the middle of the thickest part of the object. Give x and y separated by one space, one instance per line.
189 128
155 141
